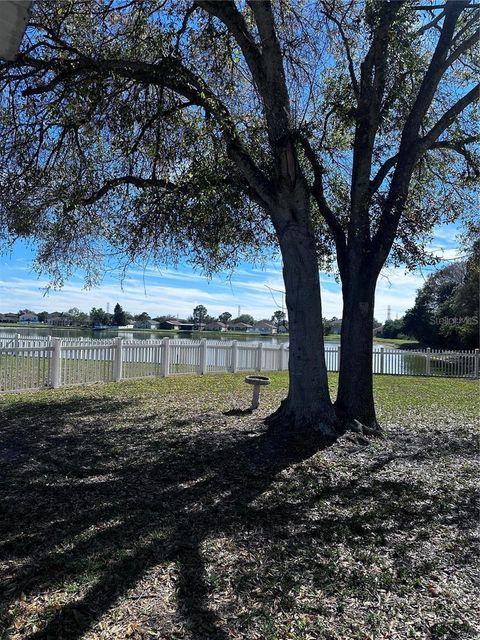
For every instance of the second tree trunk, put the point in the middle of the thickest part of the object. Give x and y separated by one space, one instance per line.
355 399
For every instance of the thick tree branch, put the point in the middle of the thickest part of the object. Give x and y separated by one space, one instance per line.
454 145
139 183
459 146
181 80
409 145
318 193
228 13
351 70
382 173
433 75
372 88
274 89
135 181
265 61
467 44
448 118
266 67
406 161
61 78
168 72
430 25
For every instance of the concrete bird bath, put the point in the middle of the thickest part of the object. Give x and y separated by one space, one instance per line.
257 381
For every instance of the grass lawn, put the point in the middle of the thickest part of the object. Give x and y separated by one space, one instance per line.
398 342
156 509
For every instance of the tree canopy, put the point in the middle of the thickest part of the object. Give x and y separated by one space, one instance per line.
246 318
119 316
115 120
200 315
446 310
225 317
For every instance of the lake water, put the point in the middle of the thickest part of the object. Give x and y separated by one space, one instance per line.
137 335
394 361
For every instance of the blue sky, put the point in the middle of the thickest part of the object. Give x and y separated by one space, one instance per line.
177 292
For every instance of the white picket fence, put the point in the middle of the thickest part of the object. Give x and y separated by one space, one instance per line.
35 362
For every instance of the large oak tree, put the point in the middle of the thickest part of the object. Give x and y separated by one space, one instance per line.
214 129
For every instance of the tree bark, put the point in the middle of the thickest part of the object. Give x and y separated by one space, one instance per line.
307 409
355 403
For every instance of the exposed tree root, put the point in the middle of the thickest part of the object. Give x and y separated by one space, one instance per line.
362 428
374 431
301 430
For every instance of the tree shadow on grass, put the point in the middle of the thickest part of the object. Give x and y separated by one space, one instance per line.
96 497
81 497
238 412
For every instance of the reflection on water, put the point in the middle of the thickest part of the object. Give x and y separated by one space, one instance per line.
387 360
70 332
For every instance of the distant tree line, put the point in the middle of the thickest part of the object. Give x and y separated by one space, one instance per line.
119 318
446 309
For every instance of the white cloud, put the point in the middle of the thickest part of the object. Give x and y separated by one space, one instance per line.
178 297
177 292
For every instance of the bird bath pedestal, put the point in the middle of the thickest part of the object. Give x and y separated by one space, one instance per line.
257 381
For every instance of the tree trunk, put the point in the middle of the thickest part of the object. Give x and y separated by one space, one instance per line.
307 407
355 403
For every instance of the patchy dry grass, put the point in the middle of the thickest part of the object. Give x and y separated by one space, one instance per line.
156 509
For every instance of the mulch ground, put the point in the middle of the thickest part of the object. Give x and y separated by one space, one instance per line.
157 510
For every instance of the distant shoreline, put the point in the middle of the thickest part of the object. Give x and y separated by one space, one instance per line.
160 332
175 333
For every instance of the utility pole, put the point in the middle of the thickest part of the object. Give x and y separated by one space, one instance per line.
283 297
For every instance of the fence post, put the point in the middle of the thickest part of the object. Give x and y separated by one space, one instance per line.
259 356
382 359
17 340
166 357
118 359
338 358
203 356
475 363
234 356
427 361
281 356
55 371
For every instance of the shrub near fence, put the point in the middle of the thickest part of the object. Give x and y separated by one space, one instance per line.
55 362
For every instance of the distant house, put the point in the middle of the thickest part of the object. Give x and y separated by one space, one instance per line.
378 331
262 327
28 316
146 324
59 319
170 325
188 326
239 326
282 329
215 326
336 327
8 317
